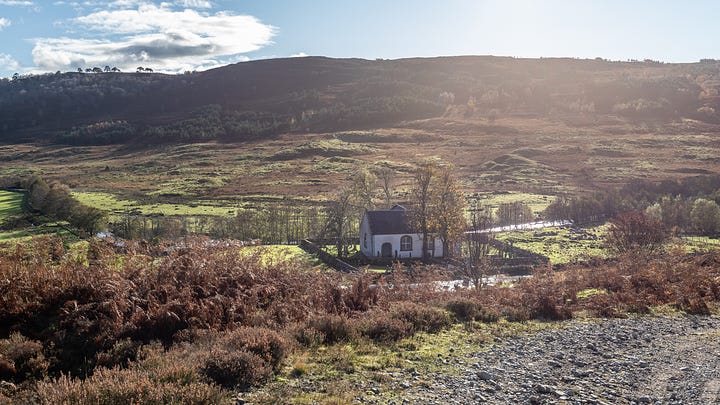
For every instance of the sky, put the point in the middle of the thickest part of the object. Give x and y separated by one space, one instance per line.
179 35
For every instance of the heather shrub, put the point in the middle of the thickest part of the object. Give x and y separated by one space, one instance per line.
22 359
126 386
361 296
334 328
544 297
401 320
515 314
236 369
464 309
467 309
307 335
422 317
603 305
382 327
267 344
121 354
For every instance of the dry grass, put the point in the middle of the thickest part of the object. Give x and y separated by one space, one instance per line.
224 319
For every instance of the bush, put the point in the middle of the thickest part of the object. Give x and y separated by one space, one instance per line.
22 359
307 335
267 344
334 328
121 354
126 386
466 309
423 318
236 369
402 320
382 328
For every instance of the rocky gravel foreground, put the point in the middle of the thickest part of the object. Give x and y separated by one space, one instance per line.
651 360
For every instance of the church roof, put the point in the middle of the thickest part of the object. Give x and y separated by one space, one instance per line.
389 222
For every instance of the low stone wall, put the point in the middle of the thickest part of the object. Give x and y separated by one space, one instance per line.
326 257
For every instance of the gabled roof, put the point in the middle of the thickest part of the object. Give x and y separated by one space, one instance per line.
389 222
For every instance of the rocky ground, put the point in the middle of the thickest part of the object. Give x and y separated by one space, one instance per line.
674 360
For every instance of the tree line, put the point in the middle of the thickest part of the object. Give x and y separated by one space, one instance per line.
688 205
54 200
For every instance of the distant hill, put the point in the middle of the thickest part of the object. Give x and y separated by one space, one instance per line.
315 94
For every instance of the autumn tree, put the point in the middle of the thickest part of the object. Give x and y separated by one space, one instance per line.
635 231
439 206
448 208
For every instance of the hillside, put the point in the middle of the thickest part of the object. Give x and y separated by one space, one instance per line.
314 94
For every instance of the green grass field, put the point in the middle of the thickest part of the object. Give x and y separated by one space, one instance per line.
700 243
10 203
562 245
110 202
275 254
27 233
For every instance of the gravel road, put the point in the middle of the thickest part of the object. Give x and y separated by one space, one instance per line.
656 360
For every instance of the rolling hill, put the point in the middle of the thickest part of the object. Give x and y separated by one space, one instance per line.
315 94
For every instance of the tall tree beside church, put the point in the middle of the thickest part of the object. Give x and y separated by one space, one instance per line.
422 197
448 208
364 184
439 206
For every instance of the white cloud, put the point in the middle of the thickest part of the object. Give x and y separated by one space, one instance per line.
8 63
153 36
193 3
298 55
16 3
4 22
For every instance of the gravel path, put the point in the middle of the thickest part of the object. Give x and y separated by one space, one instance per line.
622 361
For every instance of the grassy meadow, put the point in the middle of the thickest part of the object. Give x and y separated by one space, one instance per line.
11 203
562 245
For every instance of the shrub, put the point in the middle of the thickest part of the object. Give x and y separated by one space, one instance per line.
267 344
422 317
307 335
380 327
402 320
603 305
22 359
694 305
121 354
126 386
544 297
236 369
466 309
335 328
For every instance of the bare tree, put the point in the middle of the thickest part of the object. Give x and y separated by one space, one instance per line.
364 183
635 231
422 195
386 178
478 261
340 211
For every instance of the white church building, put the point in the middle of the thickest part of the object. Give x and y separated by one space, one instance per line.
388 234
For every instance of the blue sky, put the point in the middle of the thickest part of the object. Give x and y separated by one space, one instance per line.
179 35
